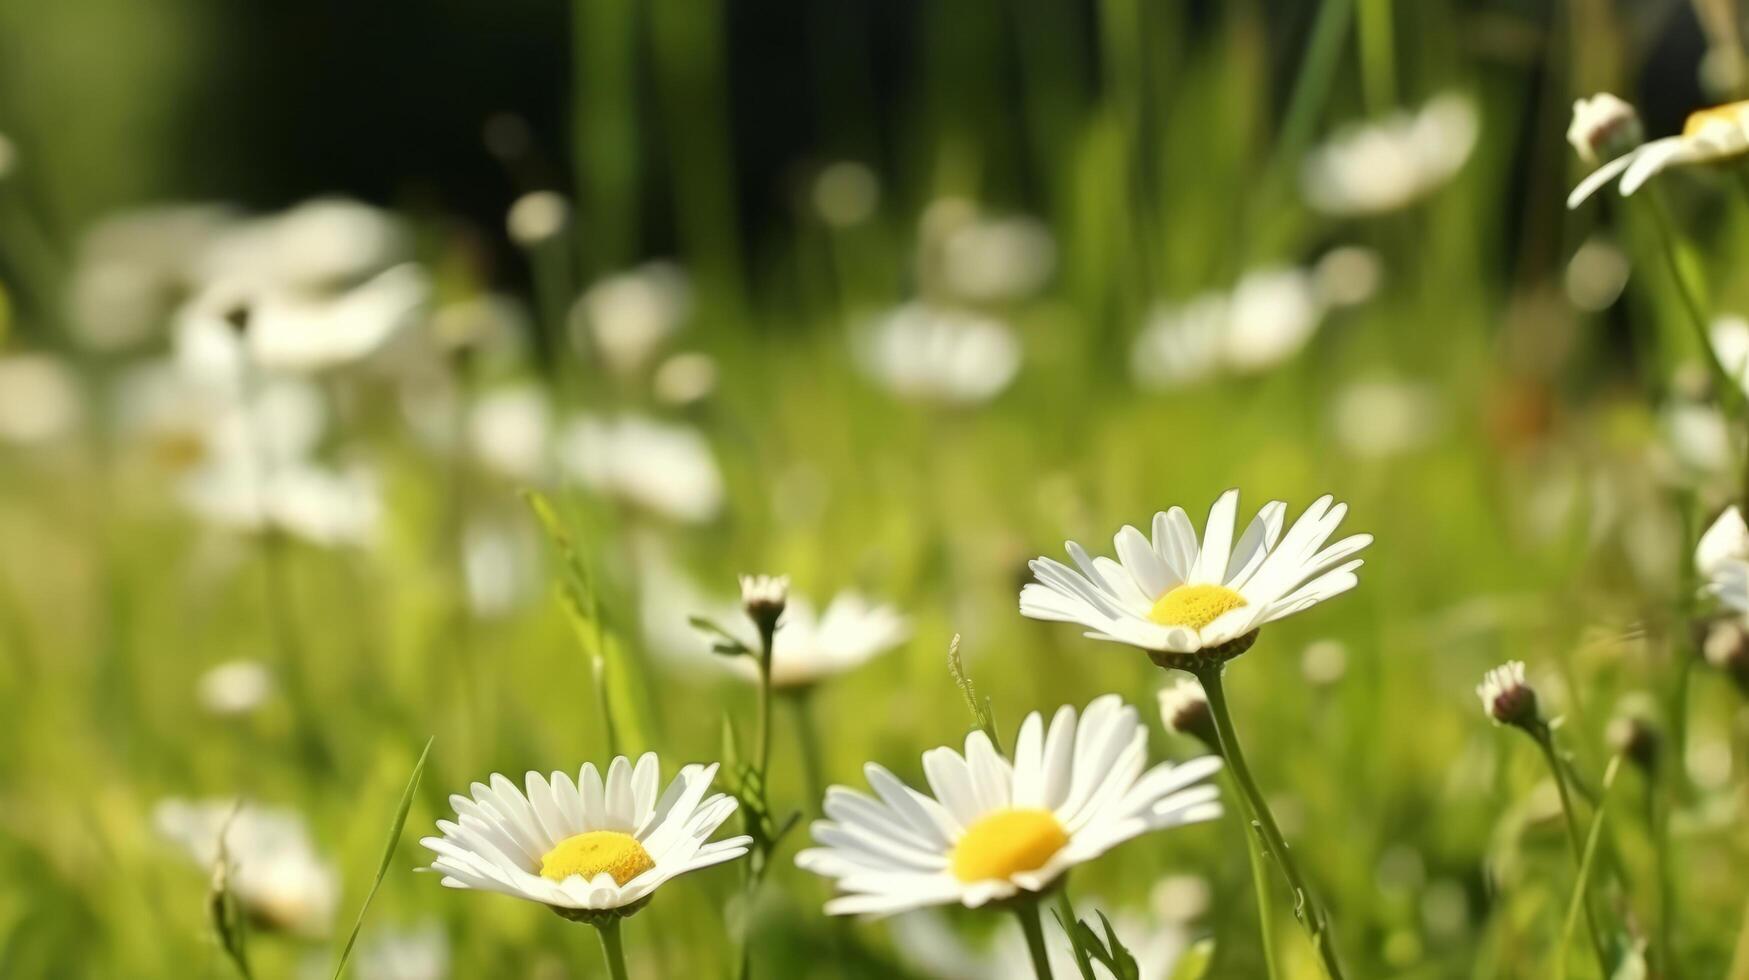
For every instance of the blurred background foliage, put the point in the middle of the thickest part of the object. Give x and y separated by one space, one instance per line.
1537 507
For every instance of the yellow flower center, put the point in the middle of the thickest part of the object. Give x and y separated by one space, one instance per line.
1194 606
592 853
1006 843
1723 113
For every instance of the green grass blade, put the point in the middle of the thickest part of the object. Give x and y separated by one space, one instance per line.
395 829
1582 881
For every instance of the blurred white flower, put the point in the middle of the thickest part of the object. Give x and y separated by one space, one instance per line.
629 315
537 217
1381 418
297 332
1597 274
500 567
932 353
133 268
1727 540
1730 341
1371 168
313 503
1698 435
275 871
40 399
810 648
1603 127
235 687
509 429
1267 319
1708 135
665 468
928 944
996 259
317 246
685 379
1347 275
487 321
413 953
846 193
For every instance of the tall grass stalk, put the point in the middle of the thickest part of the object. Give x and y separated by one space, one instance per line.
1545 740
1582 880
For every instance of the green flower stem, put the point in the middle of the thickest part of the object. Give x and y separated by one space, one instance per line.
1545 740
1035 938
1676 260
764 739
757 867
612 949
1066 912
1265 912
1307 909
808 734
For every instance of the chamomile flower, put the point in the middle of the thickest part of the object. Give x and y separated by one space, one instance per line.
1726 541
275 870
811 646
663 467
1173 595
996 828
1381 166
1708 135
930 353
587 848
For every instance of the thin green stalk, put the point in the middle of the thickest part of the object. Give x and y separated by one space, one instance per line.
1035 939
1066 911
761 859
1581 881
1307 908
1265 911
612 949
1730 391
808 734
1658 825
764 742
1378 61
1546 741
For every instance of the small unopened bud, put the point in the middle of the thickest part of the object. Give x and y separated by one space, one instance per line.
537 218
1603 128
764 597
1184 709
1508 697
1633 735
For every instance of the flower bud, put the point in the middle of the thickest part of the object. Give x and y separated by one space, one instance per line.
1603 128
1633 735
1508 697
1184 709
764 598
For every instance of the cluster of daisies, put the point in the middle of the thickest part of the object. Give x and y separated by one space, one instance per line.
995 828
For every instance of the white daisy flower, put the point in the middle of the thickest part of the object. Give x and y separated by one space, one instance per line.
1173 595
589 846
510 432
275 871
1381 166
995 828
320 245
936 354
1708 136
665 468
